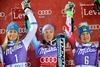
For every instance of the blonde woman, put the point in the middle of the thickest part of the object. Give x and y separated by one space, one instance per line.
14 49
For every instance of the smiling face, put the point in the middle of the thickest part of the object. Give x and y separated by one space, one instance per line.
48 35
12 35
85 37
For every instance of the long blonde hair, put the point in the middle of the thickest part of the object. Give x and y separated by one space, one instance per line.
5 44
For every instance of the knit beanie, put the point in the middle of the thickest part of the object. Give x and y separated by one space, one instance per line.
46 27
83 27
12 26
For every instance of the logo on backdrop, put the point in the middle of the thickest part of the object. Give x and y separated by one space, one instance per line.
2 31
21 30
69 62
48 59
29 64
43 13
63 13
17 15
87 10
91 26
2 14
99 54
94 26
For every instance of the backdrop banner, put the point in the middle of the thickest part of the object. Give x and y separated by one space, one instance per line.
52 12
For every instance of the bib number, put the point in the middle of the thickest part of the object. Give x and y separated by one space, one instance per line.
86 59
16 57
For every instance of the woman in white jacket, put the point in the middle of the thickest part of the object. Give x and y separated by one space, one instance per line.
15 50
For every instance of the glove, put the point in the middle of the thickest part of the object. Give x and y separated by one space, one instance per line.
69 9
25 5
27 1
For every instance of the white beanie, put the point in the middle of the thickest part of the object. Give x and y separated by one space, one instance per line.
46 27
